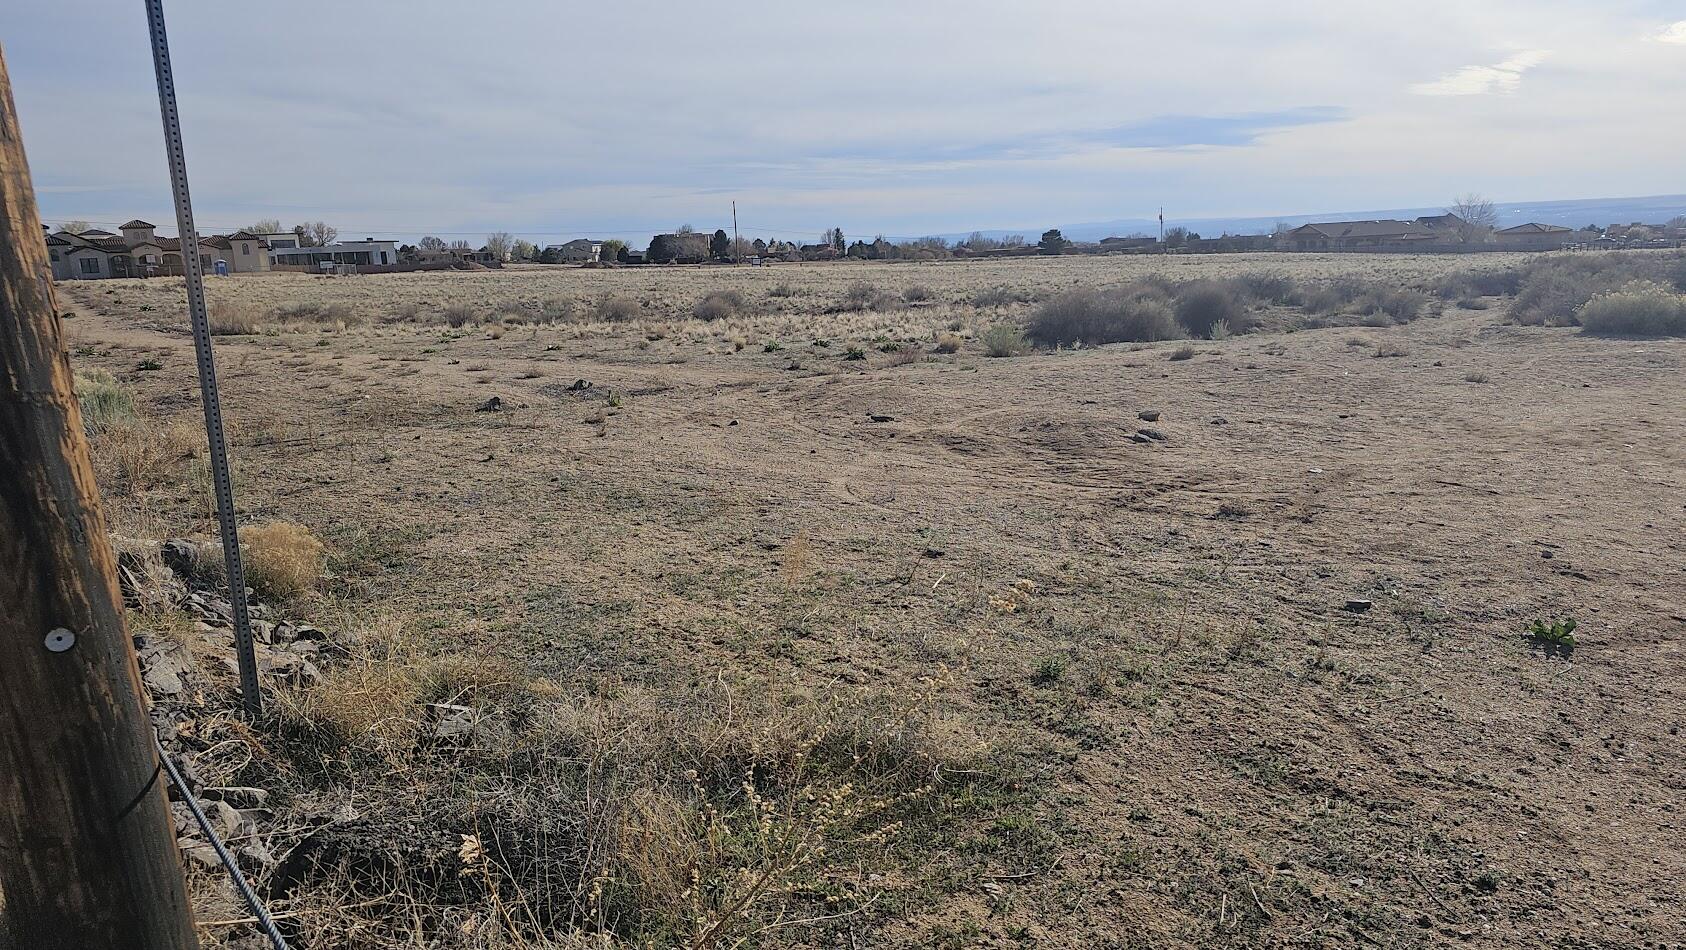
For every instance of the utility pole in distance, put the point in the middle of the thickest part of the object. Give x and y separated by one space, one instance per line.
737 245
87 847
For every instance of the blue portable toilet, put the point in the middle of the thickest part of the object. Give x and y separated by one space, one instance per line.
221 267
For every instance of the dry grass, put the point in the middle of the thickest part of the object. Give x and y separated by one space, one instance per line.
719 304
281 559
694 818
947 342
612 309
231 319
105 402
1003 339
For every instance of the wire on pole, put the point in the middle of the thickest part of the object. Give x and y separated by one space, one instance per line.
193 269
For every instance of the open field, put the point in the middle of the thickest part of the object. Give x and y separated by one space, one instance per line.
1102 683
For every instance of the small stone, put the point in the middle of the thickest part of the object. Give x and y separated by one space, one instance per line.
1547 555
450 723
226 820
1357 605
879 418
935 552
179 555
1153 434
255 857
1219 421
238 796
494 404
199 852
1148 415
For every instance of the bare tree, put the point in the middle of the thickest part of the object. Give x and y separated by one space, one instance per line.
1478 217
74 227
321 234
461 245
431 243
685 229
1678 221
264 226
499 243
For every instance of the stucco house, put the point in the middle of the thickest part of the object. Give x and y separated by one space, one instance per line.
1345 235
96 254
578 251
1536 236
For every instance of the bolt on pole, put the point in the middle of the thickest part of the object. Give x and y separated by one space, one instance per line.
88 852
194 272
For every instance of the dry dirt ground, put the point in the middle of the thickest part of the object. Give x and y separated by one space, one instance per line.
1227 755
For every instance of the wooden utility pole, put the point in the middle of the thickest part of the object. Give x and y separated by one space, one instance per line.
737 245
87 848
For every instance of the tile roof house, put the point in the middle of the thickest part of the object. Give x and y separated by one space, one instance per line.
139 252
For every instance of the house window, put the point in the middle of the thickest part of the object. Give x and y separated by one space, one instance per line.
246 249
90 265
53 253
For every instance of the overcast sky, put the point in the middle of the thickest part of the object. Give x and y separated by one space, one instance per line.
393 119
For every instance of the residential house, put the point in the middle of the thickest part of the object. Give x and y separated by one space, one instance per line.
577 251
1534 236
139 252
365 252
1448 223
247 252
1353 235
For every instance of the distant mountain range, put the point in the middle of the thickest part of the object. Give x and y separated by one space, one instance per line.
1577 213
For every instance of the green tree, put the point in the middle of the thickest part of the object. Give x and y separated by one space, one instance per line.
720 246
1053 242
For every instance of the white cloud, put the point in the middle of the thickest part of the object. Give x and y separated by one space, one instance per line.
1501 78
1673 33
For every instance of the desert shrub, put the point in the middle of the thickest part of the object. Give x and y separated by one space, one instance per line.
945 342
557 309
1640 309
862 295
105 402
1110 315
613 309
409 312
1391 305
1000 297
1184 352
1387 349
458 315
1337 295
1203 304
783 289
1477 283
1553 289
918 293
226 319
1273 287
1003 339
719 304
